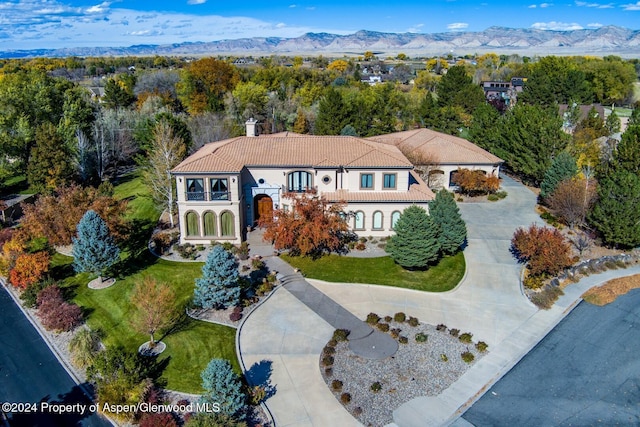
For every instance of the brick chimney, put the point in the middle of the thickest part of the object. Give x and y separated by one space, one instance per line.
251 127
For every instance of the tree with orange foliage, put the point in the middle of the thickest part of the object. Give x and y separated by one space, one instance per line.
572 199
311 228
56 216
475 182
155 307
544 249
29 269
11 249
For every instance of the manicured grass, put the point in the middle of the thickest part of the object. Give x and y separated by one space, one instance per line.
382 271
191 344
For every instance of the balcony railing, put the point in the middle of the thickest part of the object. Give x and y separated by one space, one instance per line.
211 196
299 189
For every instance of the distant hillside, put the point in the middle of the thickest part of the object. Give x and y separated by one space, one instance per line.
601 41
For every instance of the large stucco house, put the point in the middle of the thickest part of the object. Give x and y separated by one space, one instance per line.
438 155
228 185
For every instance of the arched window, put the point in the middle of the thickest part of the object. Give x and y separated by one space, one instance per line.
192 221
226 224
377 220
359 221
299 181
394 218
209 220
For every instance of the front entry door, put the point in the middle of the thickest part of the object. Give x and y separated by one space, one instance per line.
263 207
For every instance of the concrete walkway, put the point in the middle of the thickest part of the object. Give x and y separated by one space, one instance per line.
488 303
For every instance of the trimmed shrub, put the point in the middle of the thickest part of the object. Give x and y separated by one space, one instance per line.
83 347
332 343
421 337
328 372
466 338
399 317
257 395
395 332
257 264
547 297
57 314
454 332
158 419
327 360
341 334
235 316
372 318
30 294
413 321
376 387
403 340
482 346
441 327
444 357
384 327
468 357
388 319
336 385
345 398
328 351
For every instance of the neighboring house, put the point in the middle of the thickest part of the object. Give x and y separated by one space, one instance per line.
226 186
507 91
11 207
585 110
439 155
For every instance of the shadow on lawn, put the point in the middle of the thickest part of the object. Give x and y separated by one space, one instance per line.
137 246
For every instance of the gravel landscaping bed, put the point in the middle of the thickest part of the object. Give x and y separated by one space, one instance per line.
417 369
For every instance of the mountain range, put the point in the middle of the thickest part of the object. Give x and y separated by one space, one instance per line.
609 40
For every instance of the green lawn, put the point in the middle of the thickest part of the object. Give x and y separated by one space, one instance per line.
192 343
382 271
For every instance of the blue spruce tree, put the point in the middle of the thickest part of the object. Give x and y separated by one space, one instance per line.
223 386
94 249
219 286
415 244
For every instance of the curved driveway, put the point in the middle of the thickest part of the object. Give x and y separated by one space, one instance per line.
488 303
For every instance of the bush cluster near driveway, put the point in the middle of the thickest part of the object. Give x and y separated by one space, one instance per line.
191 344
382 271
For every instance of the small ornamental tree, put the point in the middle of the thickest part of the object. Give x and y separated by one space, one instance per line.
544 249
29 269
563 167
311 228
572 200
155 308
94 250
219 286
415 243
223 386
452 231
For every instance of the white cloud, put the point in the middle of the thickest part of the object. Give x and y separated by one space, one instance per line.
457 26
532 6
595 25
196 1
415 29
556 26
292 6
635 6
541 5
594 5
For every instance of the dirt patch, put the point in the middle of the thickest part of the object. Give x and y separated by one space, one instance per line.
607 293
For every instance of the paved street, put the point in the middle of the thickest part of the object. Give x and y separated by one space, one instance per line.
29 372
584 372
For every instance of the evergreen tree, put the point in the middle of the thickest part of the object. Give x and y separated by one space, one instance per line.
332 114
452 231
348 130
219 286
616 215
50 165
415 243
456 89
223 386
563 167
94 249
612 123
627 153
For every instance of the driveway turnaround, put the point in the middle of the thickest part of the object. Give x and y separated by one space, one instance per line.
488 303
585 372
30 373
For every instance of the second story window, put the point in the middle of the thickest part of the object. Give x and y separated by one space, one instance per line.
195 189
219 189
389 180
366 180
299 181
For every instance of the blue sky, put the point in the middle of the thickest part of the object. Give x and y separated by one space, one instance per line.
31 24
